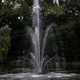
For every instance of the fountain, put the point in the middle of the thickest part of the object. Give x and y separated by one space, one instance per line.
38 60
36 37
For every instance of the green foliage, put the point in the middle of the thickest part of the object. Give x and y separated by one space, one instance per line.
4 42
13 7
9 10
53 9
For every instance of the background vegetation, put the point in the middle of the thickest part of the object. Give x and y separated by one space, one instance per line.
15 23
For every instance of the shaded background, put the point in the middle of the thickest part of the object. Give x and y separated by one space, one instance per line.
15 29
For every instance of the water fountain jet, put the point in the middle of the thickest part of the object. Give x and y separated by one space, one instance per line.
38 59
36 35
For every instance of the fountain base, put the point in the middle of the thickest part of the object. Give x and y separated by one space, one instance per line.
33 76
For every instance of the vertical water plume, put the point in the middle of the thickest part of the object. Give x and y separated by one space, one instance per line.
38 59
36 24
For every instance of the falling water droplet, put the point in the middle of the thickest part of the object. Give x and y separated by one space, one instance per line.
3 1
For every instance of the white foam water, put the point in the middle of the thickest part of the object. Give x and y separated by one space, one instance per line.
33 76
